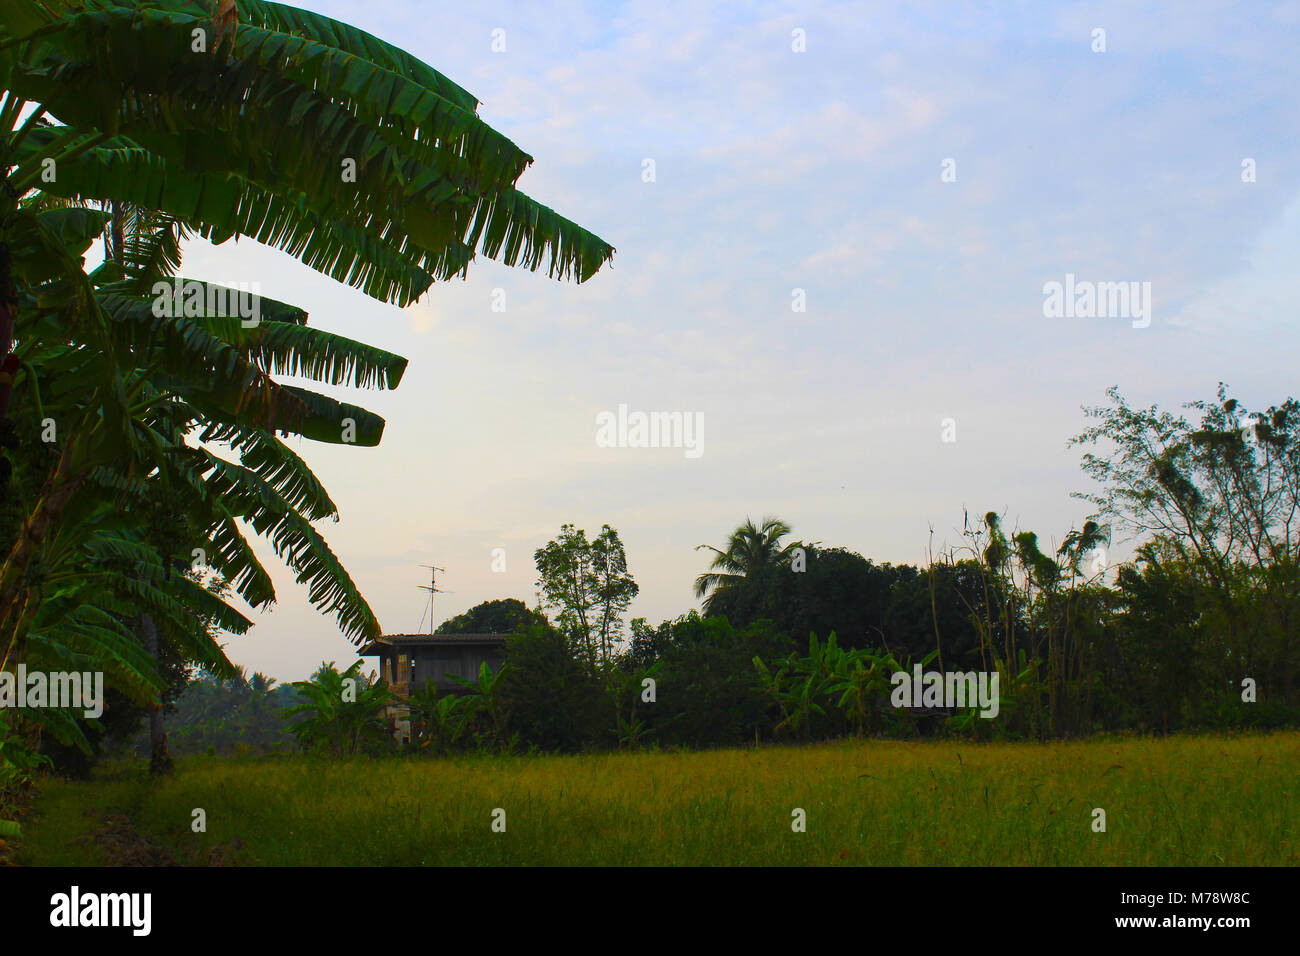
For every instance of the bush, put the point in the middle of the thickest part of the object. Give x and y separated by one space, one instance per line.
708 691
554 701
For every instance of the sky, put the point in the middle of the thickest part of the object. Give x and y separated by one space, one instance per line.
914 176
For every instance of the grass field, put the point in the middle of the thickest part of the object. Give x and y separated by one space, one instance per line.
1207 800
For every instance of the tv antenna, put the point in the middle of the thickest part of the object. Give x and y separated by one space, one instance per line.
432 588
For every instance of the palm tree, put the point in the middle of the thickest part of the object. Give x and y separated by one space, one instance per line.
749 549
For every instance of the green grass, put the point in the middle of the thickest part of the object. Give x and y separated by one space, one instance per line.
1205 800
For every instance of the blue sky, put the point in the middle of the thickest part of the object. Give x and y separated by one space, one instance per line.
819 170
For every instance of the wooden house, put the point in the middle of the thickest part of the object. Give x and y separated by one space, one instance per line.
408 661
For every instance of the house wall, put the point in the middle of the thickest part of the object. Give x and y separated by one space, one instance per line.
464 662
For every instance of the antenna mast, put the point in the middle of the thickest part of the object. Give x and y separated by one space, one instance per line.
432 588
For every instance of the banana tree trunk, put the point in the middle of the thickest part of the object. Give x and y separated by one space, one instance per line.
17 604
8 316
160 761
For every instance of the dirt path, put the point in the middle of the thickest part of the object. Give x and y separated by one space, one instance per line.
122 845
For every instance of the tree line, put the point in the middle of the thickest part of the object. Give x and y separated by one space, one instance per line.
799 641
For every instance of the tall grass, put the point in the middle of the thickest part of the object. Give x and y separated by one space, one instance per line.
1207 800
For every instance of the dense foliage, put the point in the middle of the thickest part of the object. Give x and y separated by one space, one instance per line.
802 642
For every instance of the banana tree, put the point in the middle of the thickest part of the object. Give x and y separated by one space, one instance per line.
861 681
773 679
252 119
483 698
625 688
340 711
269 487
193 377
439 720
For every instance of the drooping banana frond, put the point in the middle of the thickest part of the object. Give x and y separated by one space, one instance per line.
218 379
329 586
354 42
187 352
325 419
229 552
152 251
70 629
305 352
43 201
369 256
276 464
286 116
196 300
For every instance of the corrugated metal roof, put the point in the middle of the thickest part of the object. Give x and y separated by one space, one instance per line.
445 640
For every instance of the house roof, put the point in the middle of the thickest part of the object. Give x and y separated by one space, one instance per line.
429 640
